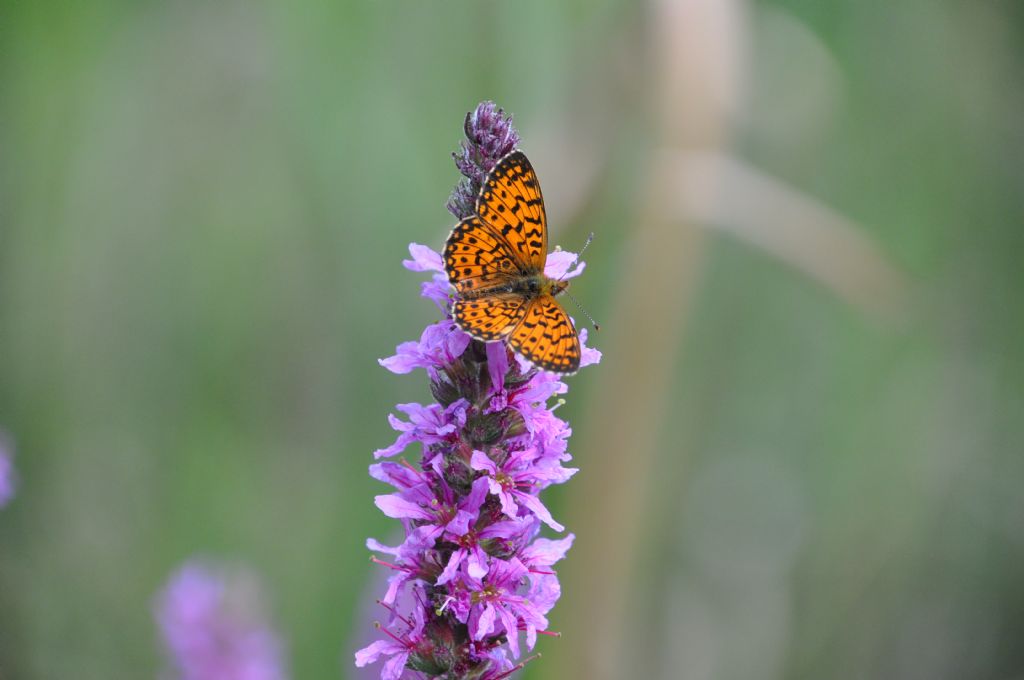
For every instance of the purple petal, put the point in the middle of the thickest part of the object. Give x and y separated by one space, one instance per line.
405 360
373 651
376 546
438 290
589 355
477 563
497 364
399 425
544 552
548 474
457 412
545 593
419 415
498 402
419 621
541 387
424 258
422 538
395 666
476 496
400 445
534 504
481 461
508 503
511 630
507 573
421 494
439 345
504 529
395 583
524 363
453 566
455 341
459 526
397 507
484 623
559 263
398 476
494 486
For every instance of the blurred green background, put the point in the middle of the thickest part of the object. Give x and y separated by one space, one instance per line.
203 209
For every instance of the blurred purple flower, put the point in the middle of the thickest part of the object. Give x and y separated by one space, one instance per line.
214 627
8 480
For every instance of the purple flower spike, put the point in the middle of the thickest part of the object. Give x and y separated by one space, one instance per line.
8 481
472 573
214 628
489 136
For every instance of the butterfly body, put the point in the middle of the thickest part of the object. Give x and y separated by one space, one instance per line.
495 260
527 285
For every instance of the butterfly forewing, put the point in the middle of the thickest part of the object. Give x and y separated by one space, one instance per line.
510 202
546 337
491 317
477 259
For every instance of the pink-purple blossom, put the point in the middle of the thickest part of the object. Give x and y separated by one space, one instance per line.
439 344
516 480
8 480
431 424
397 647
213 624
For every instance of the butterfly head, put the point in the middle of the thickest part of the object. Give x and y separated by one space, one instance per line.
554 287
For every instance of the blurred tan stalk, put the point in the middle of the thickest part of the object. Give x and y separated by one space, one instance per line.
697 53
806 234
695 49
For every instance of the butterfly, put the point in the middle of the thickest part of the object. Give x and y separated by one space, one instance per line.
495 260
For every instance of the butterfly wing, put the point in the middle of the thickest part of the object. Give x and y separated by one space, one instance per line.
489 318
546 337
477 259
510 202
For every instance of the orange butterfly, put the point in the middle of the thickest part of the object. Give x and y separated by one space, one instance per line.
495 260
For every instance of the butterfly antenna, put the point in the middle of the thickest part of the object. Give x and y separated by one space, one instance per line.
593 323
578 255
587 243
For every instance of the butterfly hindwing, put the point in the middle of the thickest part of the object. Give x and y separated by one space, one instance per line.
510 202
476 258
491 317
546 337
